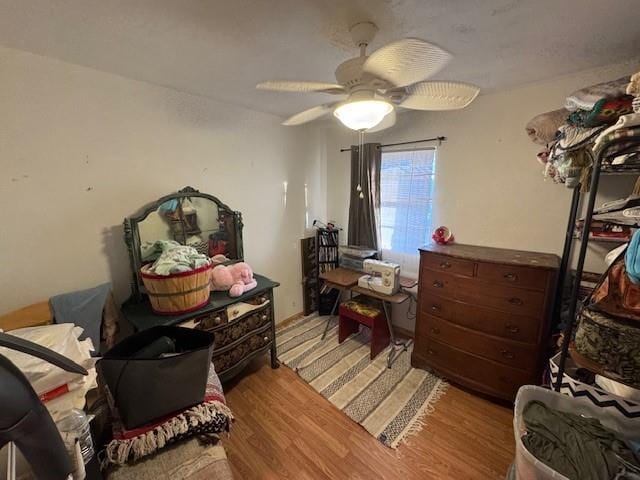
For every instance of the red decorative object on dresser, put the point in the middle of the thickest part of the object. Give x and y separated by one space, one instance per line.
484 315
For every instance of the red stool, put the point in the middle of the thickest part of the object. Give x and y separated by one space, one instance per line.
363 310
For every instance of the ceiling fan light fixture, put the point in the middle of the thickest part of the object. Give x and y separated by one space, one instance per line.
362 114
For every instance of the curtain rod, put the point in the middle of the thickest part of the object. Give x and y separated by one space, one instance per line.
438 139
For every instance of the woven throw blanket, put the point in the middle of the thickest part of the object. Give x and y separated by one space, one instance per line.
604 112
617 134
542 128
586 98
625 121
210 417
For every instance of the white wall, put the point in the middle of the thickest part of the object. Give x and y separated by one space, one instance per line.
80 150
489 188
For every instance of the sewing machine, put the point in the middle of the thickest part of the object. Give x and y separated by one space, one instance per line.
383 277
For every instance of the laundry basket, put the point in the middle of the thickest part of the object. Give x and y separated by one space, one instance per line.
178 292
527 466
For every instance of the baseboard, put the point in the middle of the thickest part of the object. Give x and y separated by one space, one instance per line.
403 332
289 320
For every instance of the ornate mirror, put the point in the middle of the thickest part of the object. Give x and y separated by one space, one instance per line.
187 217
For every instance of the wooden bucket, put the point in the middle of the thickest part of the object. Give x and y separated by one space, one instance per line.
179 292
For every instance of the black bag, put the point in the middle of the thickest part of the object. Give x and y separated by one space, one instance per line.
147 389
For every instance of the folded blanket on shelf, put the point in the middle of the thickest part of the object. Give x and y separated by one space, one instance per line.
625 121
542 128
604 112
571 136
633 88
621 133
586 98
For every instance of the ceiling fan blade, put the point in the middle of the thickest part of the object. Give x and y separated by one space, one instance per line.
439 95
387 122
309 115
406 61
301 87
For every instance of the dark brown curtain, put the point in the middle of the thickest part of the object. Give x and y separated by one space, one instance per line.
364 212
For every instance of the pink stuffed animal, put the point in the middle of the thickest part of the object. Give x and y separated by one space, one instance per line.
236 278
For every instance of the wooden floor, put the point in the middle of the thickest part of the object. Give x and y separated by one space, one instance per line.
286 430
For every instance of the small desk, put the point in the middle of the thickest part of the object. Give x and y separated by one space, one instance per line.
346 279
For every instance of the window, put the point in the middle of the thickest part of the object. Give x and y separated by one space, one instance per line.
406 199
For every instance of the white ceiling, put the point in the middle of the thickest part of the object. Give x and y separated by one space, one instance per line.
222 48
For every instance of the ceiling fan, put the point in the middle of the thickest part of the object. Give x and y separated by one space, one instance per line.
393 76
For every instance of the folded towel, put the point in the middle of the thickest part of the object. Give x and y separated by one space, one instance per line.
542 128
586 98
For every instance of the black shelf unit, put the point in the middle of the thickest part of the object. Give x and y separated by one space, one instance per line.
327 251
601 167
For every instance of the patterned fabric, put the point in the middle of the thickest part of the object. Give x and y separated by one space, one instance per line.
390 403
363 306
604 112
611 343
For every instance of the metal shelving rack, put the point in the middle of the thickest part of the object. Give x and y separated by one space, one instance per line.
599 168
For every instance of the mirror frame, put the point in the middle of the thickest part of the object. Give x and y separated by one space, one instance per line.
132 233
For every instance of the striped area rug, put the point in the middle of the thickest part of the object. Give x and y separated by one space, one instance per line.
390 403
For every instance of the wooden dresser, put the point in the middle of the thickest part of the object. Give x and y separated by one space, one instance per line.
483 315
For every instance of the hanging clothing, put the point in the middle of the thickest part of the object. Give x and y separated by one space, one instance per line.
364 210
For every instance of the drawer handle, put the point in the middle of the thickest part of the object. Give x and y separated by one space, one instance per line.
507 354
435 308
438 284
264 317
516 301
512 277
217 321
445 265
435 330
266 339
512 328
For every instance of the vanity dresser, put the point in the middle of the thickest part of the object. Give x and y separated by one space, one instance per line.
243 327
484 315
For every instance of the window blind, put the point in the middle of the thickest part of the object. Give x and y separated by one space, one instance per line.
406 199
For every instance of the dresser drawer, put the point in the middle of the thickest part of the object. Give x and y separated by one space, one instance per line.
239 328
494 322
508 299
479 373
510 353
438 283
233 355
444 263
207 321
534 278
